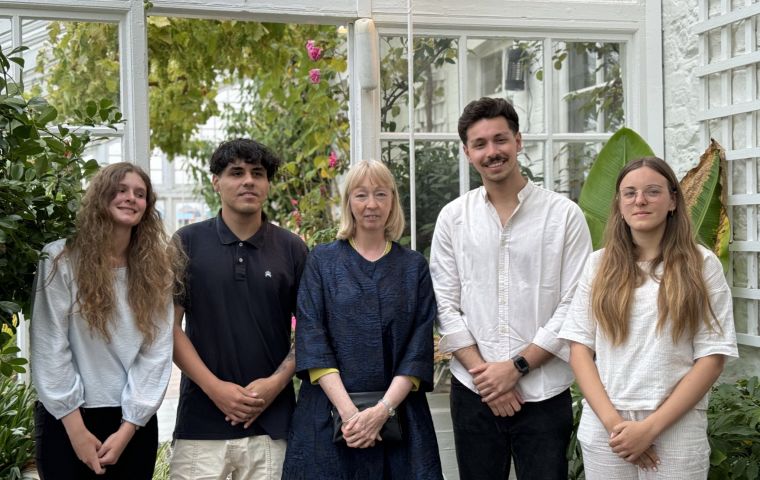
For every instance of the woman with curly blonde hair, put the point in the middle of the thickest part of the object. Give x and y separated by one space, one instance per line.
650 326
102 333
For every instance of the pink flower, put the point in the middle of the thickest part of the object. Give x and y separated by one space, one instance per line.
294 202
315 75
292 322
297 217
333 159
315 53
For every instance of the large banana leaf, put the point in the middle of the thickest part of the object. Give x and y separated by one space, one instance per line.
599 189
705 194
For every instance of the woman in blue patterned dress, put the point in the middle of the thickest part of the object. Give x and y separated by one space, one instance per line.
365 324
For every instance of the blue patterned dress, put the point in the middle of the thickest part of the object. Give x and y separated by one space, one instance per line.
372 321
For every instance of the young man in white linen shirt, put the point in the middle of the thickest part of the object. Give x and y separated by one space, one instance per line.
505 260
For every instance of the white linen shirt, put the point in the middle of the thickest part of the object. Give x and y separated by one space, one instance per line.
641 373
73 366
504 287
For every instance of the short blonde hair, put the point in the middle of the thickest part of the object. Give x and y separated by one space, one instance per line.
379 174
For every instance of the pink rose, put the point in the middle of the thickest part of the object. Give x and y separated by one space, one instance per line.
293 202
315 75
333 159
315 53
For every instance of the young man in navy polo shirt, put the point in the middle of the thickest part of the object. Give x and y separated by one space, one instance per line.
236 395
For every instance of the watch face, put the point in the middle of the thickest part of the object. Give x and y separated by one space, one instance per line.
521 364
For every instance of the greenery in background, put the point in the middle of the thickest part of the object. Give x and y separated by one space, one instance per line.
162 461
16 427
703 187
302 120
734 430
42 170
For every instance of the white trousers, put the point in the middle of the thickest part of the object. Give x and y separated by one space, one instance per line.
683 449
252 458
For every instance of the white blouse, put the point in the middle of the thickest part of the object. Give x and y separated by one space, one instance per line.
640 373
73 366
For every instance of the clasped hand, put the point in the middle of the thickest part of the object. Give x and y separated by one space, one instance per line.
633 442
363 429
496 382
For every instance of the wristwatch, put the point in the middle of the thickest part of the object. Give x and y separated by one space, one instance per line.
521 364
391 410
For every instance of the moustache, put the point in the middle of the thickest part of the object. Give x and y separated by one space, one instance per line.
494 160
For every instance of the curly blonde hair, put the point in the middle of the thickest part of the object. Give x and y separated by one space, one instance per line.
154 262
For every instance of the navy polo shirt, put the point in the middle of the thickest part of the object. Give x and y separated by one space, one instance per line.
239 298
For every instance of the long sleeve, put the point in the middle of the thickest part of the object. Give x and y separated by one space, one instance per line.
445 277
576 251
54 374
148 376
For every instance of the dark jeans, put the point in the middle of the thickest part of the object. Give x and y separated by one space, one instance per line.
56 459
536 437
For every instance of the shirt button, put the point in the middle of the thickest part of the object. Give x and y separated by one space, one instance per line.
240 260
240 244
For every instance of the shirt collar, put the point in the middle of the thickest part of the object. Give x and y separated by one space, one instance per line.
226 237
523 194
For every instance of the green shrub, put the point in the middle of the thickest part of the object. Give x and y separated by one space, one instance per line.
16 427
734 430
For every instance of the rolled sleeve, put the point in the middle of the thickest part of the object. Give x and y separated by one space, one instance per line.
722 338
575 253
446 283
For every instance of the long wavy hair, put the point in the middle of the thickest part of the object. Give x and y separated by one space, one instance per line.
154 262
682 294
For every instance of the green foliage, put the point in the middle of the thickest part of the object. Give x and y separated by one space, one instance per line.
574 454
301 121
306 123
41 173
734 430
16 427
163 457
702 187
599 190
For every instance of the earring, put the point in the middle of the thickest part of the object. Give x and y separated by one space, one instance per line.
670 213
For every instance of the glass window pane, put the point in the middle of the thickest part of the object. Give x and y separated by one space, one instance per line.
436 84
6 34
572 162
105 150
71 63
738 43
588 86
437 183
157 167
511 69
190 212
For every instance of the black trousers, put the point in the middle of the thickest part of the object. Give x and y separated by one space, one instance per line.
536 437
56 459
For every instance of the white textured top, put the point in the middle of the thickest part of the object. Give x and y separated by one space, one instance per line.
73 366
641 373
504 287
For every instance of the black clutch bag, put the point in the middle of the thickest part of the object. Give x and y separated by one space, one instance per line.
391 431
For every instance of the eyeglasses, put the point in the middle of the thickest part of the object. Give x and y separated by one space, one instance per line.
651 194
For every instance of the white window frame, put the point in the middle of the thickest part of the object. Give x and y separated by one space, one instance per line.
129 17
